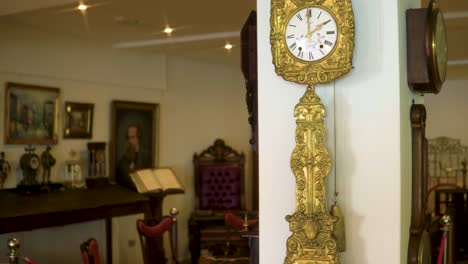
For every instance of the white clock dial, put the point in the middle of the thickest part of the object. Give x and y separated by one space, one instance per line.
34 163
311 34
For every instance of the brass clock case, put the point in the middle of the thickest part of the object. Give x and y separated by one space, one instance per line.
336 63
437 54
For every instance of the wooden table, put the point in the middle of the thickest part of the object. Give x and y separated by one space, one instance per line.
21 212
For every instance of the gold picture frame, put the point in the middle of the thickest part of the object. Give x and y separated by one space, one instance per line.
78 120
31 114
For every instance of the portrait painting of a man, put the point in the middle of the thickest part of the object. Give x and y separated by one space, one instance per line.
134 139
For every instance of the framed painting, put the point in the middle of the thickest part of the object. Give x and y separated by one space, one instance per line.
31 114
78 120
134 134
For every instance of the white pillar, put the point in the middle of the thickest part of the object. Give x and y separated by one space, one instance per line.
372 139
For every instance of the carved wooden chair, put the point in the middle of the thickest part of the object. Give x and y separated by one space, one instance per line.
219 187
148 229
90 252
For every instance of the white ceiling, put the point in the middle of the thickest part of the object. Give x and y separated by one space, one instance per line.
122 21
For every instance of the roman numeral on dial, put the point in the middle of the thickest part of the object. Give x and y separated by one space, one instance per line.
292 46
300 54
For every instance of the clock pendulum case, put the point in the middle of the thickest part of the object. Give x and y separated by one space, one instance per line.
312 43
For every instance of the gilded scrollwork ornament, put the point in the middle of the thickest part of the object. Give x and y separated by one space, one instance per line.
311 225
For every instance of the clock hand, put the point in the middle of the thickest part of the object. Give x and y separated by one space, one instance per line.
319 26
308 23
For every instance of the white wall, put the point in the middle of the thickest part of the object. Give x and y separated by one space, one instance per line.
203 102
372 127
199 102
447 112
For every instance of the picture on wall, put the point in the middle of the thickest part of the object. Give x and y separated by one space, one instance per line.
31 114
78 120
134 133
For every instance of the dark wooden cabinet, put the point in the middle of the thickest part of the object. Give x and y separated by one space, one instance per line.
249 69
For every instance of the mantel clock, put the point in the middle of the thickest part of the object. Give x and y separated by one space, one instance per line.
29 163
312 43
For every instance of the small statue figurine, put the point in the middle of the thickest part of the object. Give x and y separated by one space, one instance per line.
4 169
47 161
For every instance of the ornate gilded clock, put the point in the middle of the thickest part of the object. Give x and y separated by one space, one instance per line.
312 42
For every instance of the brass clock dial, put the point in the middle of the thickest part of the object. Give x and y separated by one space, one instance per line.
439 45
311 33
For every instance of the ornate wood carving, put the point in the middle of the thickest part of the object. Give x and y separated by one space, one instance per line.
249 69
418 246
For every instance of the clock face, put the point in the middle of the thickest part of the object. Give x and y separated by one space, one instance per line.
311 34
440 48
34 163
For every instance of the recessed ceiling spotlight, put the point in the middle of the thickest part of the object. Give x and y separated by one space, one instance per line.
82 7
168 30
228 46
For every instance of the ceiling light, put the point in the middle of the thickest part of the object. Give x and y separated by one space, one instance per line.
228 46
82 7
168 30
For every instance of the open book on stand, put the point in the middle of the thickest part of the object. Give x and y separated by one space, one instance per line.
156 180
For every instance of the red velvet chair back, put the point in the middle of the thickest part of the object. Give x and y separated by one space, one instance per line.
219 178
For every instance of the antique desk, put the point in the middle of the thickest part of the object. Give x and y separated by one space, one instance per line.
22 212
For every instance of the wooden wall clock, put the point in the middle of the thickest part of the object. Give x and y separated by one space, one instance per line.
312 43
427 48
